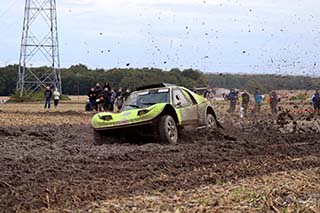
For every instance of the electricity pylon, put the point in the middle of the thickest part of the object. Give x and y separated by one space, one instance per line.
39 47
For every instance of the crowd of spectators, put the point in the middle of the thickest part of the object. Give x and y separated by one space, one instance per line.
272 98
106 98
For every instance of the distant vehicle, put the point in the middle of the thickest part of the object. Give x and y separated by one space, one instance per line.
158 110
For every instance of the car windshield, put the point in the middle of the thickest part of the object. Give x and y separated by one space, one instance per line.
143 99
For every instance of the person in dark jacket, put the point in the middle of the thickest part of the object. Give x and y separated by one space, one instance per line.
107 99
92 99
126 94
98 94
119 92
47 95
316 102
233 98
107 85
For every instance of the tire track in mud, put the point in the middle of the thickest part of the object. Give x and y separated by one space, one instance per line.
58 165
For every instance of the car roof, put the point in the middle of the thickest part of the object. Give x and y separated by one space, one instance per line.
154 86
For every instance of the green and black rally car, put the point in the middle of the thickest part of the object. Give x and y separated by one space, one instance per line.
160 111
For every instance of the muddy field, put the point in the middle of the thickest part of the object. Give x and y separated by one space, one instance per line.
266 163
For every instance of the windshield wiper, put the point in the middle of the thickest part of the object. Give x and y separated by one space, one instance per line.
133 105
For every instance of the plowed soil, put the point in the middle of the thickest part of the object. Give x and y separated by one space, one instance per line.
49 163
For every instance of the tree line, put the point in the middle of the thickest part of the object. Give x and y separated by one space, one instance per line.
78 79
266 83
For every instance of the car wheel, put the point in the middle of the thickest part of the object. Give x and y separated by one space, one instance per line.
210 122
98 137
168 130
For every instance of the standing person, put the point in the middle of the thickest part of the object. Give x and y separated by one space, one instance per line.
92 99
107 85
113 98
119 99
316 102
98 93
205 94
209 94
274 100
245 102
119 103
107 99
119 92
258 99
126 94
233 98
47 95
56 97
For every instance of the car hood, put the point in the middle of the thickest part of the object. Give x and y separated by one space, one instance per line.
105 120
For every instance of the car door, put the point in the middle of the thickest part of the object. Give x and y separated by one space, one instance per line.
201 106
188 110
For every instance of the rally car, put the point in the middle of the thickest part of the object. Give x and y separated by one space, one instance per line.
159 110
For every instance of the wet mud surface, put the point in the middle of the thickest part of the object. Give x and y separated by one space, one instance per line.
57 165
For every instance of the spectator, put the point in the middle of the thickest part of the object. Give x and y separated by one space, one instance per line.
274 100
119 92
258 99
56 97
245 102
316 102
107 85
126 94
209 94
113 98
233 98
98 94
107 99
92 99
205 94
119 99
98 89
47 95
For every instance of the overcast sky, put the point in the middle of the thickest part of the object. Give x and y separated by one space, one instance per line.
246 36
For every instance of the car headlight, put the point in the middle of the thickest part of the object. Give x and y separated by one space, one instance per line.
143 112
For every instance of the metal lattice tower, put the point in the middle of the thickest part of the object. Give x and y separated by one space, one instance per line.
39 47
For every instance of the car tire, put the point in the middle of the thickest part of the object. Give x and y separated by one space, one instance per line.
98 137
211 122
168 130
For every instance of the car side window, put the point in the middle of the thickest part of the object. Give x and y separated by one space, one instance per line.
179 98
190 96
